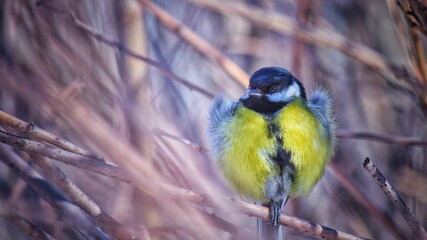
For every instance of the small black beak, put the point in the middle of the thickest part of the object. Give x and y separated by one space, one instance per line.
255 93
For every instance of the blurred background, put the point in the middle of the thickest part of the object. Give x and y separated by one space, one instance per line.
132 82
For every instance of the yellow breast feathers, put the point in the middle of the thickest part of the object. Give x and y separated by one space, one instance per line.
250 146
307 141
245 163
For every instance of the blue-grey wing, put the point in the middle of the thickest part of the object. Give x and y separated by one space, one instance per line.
320 103
221 113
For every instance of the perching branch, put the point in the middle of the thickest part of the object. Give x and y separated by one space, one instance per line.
406 212
180 193
295 223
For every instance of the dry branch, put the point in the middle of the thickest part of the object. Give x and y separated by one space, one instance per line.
31 131
193 145
360 197
79 198
28 228
202 199
198 42
344 133
406 212
61 155
68 212
313 35
119 46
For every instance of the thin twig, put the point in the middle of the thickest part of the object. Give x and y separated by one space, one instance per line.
343 133
31 131
28 228
61 155
415 23
119 46
358 195
295 223
193 145
413 184
406 212
260 212
68 212
79 198
117 173
174 25
313 35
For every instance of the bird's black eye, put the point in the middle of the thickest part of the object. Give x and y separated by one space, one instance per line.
273 89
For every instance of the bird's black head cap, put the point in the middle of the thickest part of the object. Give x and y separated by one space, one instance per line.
265 81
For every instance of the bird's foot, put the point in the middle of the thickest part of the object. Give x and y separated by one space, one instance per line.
274 212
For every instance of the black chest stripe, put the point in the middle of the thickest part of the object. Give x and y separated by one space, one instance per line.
282 157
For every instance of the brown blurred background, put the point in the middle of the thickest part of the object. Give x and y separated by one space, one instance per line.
77 69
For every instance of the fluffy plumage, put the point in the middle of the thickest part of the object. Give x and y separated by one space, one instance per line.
273 142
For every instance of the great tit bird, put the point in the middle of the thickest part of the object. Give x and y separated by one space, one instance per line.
273 142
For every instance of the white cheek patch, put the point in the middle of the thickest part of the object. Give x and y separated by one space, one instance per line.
286 95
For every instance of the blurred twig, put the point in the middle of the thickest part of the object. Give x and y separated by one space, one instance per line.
69 212
198 42
119 46
407 214
61 155
111 171
31 131
28 228
249 209
260 212
415 16
413 183
343 133
195 146
358 195
79 198
318 36
283 24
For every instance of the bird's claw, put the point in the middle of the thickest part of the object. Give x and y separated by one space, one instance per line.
274 212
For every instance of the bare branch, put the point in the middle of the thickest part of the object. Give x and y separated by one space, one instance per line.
406 212
31 131
193 145
79 198
69 212
119 46
314 35
198 42
28 228
117 173
360 197
63 156
343 133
